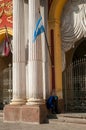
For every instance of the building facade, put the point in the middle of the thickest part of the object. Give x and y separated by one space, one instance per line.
53 64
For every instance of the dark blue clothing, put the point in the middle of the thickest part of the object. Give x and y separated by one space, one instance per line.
52 104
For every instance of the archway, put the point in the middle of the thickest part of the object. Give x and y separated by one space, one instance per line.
55 25
55 37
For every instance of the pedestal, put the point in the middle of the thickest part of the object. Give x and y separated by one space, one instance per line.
27 113
34 113
12 113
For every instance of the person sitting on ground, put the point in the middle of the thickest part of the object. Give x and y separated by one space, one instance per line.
52 104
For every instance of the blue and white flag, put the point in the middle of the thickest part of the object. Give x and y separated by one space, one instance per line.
38 29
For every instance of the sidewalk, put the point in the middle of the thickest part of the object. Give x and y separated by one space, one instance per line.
50 126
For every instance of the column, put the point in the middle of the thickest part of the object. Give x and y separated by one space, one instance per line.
19 91
35 74
45 53
35 102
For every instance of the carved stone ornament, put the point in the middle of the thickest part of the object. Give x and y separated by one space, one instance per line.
73 25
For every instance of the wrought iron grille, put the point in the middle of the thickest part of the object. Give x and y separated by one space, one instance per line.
5 86
74 87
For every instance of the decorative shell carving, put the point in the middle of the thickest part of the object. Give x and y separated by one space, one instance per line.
73 24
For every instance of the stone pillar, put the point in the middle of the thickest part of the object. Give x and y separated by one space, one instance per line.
13 111
35 102
26 38
45 53
35 75
19 91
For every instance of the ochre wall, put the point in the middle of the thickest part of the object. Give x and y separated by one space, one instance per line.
54 24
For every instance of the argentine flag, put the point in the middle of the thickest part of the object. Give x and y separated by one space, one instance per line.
38 29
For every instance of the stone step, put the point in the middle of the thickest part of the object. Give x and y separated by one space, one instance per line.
72 115
1 113
68 118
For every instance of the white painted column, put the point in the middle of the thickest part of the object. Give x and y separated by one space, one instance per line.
26 38
45 53
19 92
35 76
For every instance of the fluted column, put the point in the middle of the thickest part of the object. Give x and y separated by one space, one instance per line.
45 53
35 78
19 93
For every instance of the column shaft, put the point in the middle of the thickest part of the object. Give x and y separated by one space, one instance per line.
35 78
45 56
19 93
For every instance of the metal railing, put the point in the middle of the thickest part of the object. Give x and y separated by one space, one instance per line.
74 87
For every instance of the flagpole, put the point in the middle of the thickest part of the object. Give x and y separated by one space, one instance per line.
48 47
46 41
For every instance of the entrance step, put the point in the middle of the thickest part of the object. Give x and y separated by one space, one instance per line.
79 118
1 113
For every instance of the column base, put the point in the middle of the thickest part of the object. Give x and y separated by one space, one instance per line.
35 101
18 102
26 113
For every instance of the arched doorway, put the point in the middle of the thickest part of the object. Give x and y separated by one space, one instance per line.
74 30
74 80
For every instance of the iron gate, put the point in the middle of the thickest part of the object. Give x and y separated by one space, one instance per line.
74 87
5 86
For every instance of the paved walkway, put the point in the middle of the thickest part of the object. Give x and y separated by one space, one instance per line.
52 126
